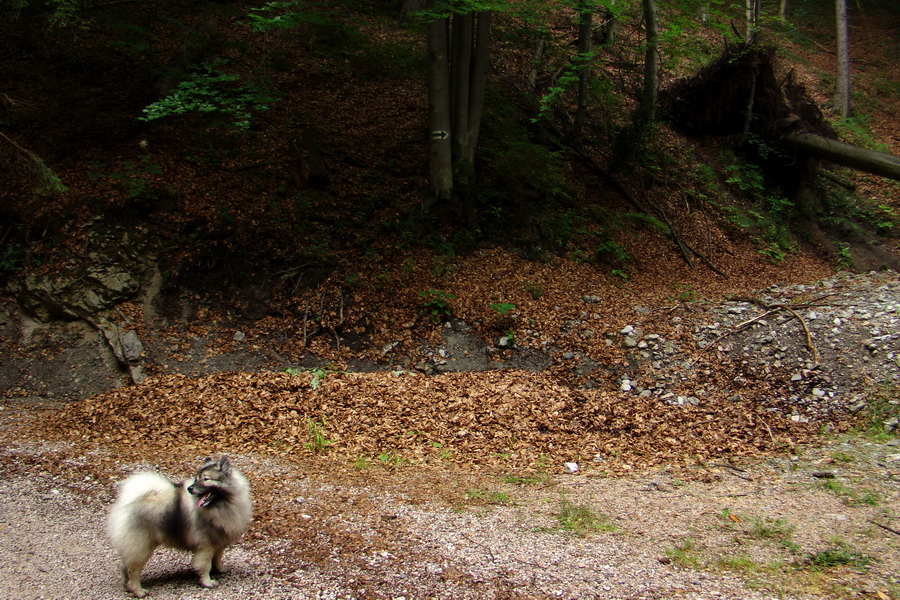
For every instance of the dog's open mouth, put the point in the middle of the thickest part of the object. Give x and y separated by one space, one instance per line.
205 499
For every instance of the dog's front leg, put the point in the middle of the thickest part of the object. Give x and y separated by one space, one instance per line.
217 567
202 563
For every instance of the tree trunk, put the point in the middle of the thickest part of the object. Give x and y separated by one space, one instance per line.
536 62
440 156
848 155
752 7
842 86
460 71
478 84
610 25
470 73
647 111
585 39
457 75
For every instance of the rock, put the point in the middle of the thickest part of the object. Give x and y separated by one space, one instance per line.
132 348
661 486
570 467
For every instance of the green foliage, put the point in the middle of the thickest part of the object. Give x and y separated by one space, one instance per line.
139 179
442 9
526 162
850 496
566 81
210 91
392 458
535 290
746 177
609 250
772 212
683 553
844 258
11 258
288 14
484 496
581 519
502 308
318 442
771 529
316 374
857 130
314 22
883 408
437 303
837 556
686 293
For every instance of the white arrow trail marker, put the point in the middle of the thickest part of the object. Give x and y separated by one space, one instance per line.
439 135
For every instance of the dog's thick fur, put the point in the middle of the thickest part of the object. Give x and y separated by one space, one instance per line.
203 515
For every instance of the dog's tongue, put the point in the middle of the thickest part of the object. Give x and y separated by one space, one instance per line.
202 500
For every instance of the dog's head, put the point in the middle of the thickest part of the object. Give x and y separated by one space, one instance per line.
212 482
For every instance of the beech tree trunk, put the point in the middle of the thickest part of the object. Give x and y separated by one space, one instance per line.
457 77
439 150
848 155
842 86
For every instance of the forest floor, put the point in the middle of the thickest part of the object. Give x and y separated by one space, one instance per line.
398 484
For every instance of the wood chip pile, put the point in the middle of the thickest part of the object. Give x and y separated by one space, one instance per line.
516 418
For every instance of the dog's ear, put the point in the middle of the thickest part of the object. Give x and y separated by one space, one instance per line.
224 464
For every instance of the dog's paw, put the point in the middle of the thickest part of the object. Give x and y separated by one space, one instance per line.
208 582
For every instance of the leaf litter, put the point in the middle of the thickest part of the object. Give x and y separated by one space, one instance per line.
516 418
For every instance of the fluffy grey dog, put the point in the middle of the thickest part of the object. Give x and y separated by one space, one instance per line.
203 515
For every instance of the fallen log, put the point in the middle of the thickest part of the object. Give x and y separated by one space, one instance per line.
847 155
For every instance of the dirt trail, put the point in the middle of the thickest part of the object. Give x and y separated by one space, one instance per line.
325 531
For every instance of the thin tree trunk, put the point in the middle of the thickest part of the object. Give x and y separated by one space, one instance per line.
651 65
703 13
752 32
610 25
536 61
842 91
585 38
748 118
440 156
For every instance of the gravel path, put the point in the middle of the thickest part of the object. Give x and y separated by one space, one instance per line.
53 545
727 532
325 528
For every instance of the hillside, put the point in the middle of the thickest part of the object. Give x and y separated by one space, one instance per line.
676 314
305 228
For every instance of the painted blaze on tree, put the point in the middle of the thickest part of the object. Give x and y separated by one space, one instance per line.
459 34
